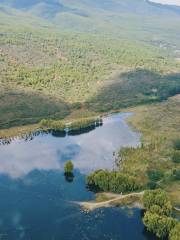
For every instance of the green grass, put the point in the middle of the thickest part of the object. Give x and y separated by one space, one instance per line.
73 125
152 162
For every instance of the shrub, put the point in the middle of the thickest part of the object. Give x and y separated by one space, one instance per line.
112 181
161 226
159 198
155 175
82 123
76 105
52 124
152 185
176 156
68 168
175 232
176 174
176 144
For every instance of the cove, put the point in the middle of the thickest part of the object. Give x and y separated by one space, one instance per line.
36 198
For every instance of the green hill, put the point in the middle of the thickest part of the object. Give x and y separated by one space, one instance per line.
50 71
137 19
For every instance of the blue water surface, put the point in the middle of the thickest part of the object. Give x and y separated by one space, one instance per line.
36 199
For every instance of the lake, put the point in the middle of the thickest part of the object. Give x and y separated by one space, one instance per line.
36 198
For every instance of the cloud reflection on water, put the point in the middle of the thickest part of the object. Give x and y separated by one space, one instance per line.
90 151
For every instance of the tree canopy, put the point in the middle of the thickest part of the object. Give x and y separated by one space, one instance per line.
112 181
158 217
68 168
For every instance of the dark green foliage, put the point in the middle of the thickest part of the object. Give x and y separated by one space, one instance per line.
159 225
156 197
152 185
100 179
176 173
157 218
155 175
148 86
19 108
68 168
176 156
69 177
76 105
176 144
112 181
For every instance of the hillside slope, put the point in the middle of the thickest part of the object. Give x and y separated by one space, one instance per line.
153 22
47 72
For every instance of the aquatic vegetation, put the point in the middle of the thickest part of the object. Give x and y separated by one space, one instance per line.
74 125
84 123
52 124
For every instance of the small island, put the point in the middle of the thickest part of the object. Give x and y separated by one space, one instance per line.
68 168
68 171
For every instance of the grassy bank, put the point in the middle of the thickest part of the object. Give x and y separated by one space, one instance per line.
156 163
18 131
77 124
153 163
72 125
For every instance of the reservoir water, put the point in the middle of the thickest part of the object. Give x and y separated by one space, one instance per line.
36 198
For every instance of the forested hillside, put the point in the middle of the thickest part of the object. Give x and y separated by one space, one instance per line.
48 71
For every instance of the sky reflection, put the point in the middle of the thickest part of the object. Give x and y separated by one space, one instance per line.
90 151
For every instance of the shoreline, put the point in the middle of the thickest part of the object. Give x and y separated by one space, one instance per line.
17 131
114 199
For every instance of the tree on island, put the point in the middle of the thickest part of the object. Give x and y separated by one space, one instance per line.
68 168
